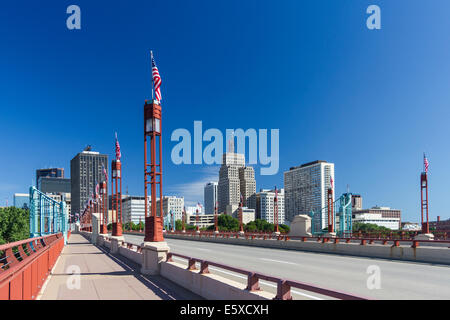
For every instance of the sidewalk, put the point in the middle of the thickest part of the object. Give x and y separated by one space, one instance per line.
105 277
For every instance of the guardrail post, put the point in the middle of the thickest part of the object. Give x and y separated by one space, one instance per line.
252 282
283 290
191 264
204 267
415 244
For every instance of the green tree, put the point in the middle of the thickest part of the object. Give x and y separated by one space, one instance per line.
14 224
226 222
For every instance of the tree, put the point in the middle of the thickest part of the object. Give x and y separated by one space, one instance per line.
14 224
178 225
227 223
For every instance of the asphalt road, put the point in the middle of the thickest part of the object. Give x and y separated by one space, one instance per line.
398 279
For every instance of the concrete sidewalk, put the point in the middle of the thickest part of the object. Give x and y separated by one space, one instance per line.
105 277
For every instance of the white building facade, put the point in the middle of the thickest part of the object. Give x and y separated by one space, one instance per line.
376 218
265 205
172 204
306 188
133 209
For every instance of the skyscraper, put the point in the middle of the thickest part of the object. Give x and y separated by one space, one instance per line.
49 173
248 186
306 189
210 197
85 171
235 179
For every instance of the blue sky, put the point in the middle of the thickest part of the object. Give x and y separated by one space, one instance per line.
371 101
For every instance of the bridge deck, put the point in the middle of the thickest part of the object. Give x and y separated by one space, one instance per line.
104 277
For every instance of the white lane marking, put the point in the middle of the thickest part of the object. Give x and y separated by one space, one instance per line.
279 261
262 282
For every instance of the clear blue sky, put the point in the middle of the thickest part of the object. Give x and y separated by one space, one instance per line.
371 101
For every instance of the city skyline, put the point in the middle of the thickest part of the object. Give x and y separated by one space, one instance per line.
334 99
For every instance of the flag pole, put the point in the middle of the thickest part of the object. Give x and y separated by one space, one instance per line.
151 71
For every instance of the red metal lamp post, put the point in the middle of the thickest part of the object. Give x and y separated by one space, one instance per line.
330 210
116 177
216 222
103 209
275 212
152 130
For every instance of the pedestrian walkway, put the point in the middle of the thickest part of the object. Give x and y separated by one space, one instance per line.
104 277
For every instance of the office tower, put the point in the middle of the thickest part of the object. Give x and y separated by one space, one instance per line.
54 185
306 189
22 200
210 197
133 209
174 204
85 171
235 178
49 173
265 205
356 202
248 187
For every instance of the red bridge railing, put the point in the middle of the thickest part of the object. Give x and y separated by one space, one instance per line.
282 237
25 265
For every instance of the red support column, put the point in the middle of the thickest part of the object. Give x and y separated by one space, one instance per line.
197 220
152 129
183 220
216 217
275 211
241 224
330 210
116 177
424 201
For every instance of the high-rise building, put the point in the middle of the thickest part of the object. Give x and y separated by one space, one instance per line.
133 209
172 204
248 186
210 197
356 202
306 188
49 173
22 200
54 185
85 171
265 205
235 179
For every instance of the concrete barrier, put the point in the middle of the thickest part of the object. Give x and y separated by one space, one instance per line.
210 286
428 254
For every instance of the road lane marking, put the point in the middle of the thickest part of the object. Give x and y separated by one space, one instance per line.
262 282
279 261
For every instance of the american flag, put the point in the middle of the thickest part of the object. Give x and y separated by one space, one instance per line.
331 182
156 79
118 154
97 187
276 193
105 173
425 163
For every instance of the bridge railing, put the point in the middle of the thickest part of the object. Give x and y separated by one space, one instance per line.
396 242
253 278
25 265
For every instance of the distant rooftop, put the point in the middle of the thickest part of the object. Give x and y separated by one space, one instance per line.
308 164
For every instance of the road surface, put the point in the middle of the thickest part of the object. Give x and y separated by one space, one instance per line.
398 279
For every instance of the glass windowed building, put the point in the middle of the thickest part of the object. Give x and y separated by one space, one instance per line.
305 189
